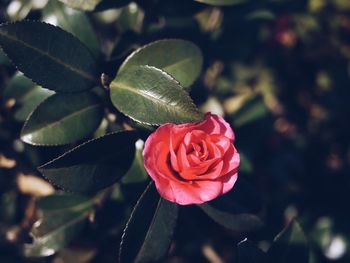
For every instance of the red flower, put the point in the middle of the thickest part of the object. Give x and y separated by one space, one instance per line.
192 163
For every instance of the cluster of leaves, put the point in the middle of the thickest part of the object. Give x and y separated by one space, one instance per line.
99 75
150 87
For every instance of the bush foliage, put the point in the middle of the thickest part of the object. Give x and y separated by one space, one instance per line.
84 83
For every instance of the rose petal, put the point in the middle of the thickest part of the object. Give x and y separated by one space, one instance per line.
214 151
195 193
231 160
156 154
181 156
215 124
229 181
213 173
192 163
222 142
198 172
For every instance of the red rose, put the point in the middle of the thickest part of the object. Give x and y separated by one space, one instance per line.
192 163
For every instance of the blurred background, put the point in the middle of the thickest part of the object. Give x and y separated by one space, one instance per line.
278 70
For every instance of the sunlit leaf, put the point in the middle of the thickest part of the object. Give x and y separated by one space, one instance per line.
62 119
180 58
149 95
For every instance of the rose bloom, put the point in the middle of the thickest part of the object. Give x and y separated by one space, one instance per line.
192 163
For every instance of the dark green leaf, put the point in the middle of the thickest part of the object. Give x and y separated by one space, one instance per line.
149 231
4 59
63 202
180 58
73 21
62 119
93 165
49 56
237 209
290 245
250 253
137 172
62 218
222 2
148 95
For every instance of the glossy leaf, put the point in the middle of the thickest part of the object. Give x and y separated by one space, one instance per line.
73 21
221 2
149 95
250 253
61 219
62 119
290 245
149 231
93 165
180 58
49 56
237 209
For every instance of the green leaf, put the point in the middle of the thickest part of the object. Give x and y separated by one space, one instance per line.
148 95
93 165
149 231
63 119
237 209
180 58
49 56
137 172
62 217
222 2
63 202
73 21
86 5
250 253
290 245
